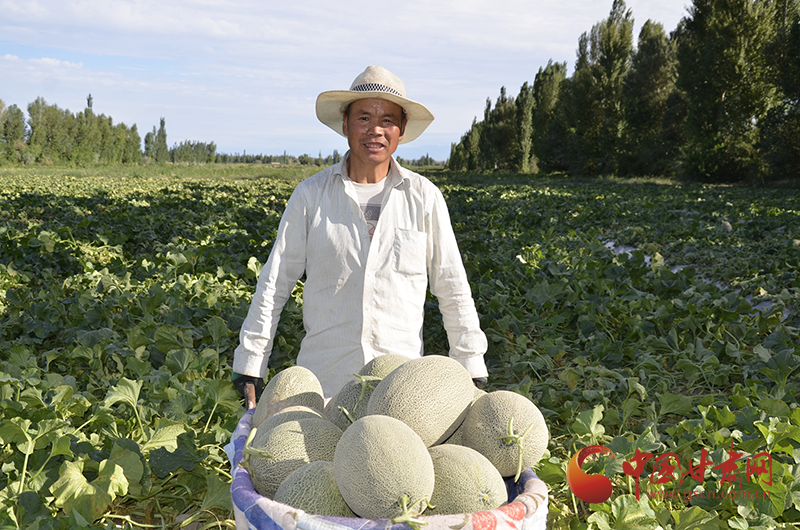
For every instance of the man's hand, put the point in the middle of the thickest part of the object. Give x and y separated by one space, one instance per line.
480 382
239 381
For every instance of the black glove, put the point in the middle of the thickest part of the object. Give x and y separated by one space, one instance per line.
239 381
480 382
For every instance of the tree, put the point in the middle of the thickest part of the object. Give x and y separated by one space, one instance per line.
160 149
526 162
49 131
781 130
498 138
723 71
546 91
13 134
132 153
646 90
603 59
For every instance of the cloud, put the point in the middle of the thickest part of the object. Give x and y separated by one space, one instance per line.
55 63
246 73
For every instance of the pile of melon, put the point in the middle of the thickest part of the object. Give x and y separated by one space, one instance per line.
405 436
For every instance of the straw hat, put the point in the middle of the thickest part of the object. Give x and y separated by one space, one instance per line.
374 82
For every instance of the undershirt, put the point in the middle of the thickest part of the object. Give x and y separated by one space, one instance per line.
370 198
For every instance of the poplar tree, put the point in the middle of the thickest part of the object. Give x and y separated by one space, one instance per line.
160 148
525 162
13 134
781 130
546 91
646 89
603 59
723 71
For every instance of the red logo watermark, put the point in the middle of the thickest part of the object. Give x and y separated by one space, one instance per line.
590 488
666 469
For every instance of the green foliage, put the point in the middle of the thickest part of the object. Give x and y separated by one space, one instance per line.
603 60
122 291
646 90
524 128
622 349
546 93
722 68
716 101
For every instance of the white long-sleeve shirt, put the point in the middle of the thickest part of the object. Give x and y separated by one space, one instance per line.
362 298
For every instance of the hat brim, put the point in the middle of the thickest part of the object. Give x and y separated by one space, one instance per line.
331 104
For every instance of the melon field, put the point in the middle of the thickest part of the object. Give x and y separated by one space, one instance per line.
652 319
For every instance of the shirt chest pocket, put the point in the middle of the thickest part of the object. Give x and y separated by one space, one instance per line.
409 249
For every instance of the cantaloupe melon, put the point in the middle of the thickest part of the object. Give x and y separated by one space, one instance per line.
311 488
486 429
465 481
352 398
291 386
383 365
297 412
378 460
457 437
430 394
289 445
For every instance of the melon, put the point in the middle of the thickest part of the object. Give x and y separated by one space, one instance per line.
465 481
350 403
508 429
297 412
289 387
457 437
430 394
378 460
311 488
287 447
383 365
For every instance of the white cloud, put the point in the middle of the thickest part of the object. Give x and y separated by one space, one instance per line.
246 73
55 63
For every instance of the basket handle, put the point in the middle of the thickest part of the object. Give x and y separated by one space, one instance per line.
250 395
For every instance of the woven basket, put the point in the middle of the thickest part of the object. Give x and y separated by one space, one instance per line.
526 509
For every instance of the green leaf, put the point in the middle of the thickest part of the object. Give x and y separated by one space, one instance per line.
132 467
217 328
168 338
767 499
61 446
165 436
218 494
15 430
780 367
588 423
125 391
632 514
89 499
253 268
695 518
738 523
31 508
674 404
163 462
221 394
178 360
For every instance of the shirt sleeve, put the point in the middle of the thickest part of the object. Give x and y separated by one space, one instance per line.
448 282
285 266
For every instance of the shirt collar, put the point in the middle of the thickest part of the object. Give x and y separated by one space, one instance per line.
396 173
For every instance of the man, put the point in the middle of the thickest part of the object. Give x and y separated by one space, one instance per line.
371 237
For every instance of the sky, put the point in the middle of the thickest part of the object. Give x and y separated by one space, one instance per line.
245 74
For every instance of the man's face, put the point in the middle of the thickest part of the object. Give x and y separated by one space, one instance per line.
374 128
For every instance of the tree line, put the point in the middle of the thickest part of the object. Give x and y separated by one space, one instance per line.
52 135
716 100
